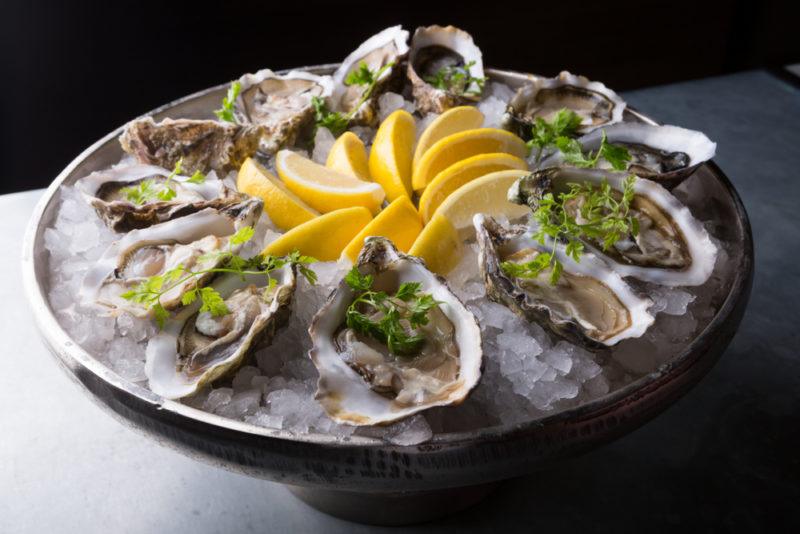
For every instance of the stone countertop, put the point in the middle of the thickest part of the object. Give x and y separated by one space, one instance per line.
726 456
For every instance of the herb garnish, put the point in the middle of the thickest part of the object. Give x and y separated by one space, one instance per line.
457 79
605 218
149 291
561 133
336 121
148 190
400 314
225 113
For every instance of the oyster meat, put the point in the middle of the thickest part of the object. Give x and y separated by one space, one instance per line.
187 241
104 191
589 304
390 45
196 348
596 104
360 381
281 105
434 48
202 145
665 154
671 247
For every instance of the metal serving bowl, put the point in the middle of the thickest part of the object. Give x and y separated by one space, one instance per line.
366 479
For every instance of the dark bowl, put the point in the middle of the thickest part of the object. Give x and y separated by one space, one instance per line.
366 479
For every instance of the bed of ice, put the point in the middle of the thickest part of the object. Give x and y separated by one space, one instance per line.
527 374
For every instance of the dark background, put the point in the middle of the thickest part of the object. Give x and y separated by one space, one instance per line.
73 71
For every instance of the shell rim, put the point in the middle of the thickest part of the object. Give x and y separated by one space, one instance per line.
72 355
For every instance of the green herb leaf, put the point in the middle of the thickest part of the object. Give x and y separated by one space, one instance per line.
213 302
142 193
242 235
361 76
197 178
457 79
332 120
225 113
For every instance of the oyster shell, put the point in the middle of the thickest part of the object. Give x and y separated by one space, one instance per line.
360 382
147 252
672 248
379 50
203 145
281 104
195 348
543 97
436 47
665 154
103 191
590 304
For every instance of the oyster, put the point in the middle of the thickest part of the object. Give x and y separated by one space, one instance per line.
390 45
665 154
671 247
202 145
543 97
590 304
187 241
196 348
360 381
434 48
103 190
281 104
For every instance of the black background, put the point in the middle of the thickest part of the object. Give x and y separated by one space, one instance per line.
72 71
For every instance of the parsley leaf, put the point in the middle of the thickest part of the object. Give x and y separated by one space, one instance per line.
407 305
225 113
605 218
457 79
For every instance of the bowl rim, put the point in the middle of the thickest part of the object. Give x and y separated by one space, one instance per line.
72 354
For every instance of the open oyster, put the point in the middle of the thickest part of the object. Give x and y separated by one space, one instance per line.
196 348
281 104
188 241
590 304
665 154
434 48
104 191
671 247
202 145
543 97
360 381
390 45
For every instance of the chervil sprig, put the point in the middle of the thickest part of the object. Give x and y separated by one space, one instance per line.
565 123
616 155
386 315
225 113
148 190
457 79
149 292
584 212
338 122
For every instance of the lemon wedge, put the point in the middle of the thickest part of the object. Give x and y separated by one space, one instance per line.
452 121
324 237
390 155
487 194
285 209
399 222
324 189
348 156
439 245
463 145
460 173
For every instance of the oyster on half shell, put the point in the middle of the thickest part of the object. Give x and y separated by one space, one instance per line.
201 144
590 304
104 191
434 48
281 105
196 348
360 381
188 241
390 45
596 104
665 154
671 247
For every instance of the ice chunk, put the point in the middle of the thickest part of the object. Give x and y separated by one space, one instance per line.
244 378
323 141
410 431
217 399
493 110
